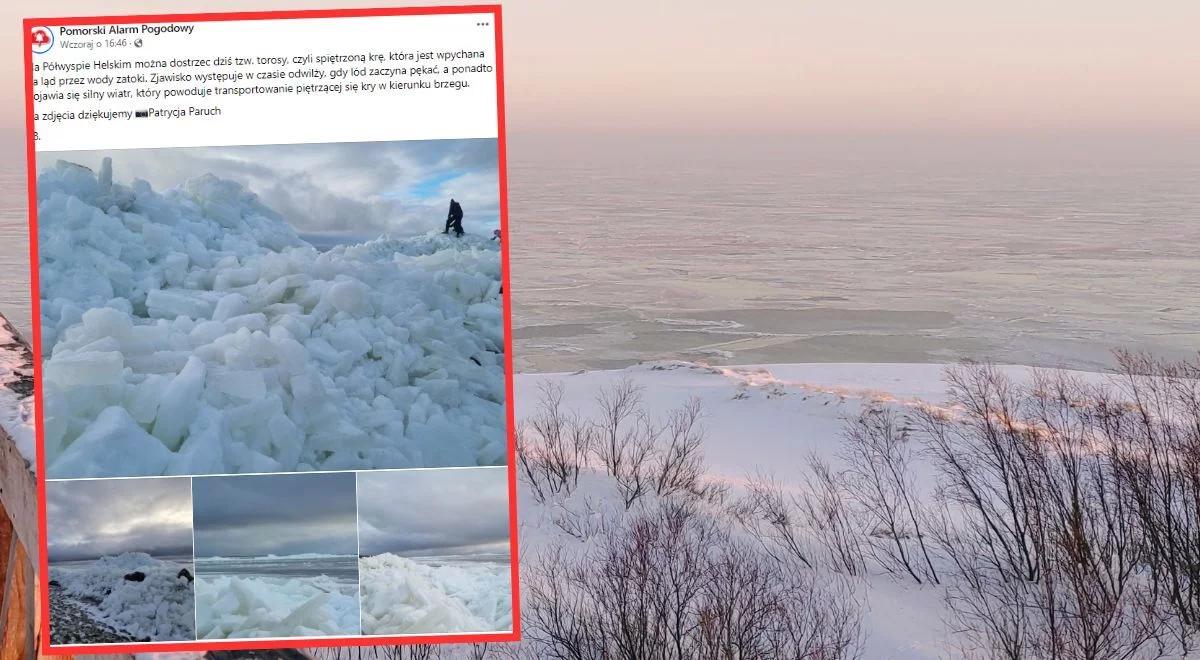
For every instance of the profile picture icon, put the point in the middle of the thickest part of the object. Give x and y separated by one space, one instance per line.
42 39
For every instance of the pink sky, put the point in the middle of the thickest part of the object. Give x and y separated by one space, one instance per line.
804 66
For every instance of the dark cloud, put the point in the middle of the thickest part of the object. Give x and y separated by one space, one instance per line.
280 514
361 188
94 518
433 512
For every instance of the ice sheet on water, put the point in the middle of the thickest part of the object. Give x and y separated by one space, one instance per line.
158 608
238 347
231 607
402 595
301 555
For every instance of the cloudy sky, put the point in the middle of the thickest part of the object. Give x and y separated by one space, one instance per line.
781 67
89 519
361 189
278 514
433 512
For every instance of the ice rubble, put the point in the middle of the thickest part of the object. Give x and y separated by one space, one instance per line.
193 332
230 607
159 608
402 595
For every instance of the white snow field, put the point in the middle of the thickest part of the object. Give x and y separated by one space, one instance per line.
771 415
231 607
159 608
193 332
761 418
408 596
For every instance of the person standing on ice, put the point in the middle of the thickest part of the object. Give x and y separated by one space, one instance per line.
454 219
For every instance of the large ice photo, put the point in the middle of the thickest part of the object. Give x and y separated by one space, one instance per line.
190 328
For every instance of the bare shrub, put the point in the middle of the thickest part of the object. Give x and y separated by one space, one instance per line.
1041 518
673 583
680 465
812 526
983 457
553 446
751 612
620 424
833 525
645 455
1155 438
580 522
878 455
772 518
626 440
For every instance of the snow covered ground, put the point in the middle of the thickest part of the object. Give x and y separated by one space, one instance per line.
443 595
300 596
771 415
759 419
193 332
159 607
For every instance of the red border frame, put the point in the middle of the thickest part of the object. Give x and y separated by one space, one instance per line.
31 169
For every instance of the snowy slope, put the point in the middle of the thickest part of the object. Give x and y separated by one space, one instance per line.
159 608
761 415
762 418
193 332
404 596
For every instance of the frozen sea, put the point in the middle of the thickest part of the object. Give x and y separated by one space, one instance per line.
759 250
342 568
747 250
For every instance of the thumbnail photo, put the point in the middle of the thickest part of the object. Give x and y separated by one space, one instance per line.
276 556
120 553
434 551
279 308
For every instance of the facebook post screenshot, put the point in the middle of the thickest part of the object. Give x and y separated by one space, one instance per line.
271 330
824 330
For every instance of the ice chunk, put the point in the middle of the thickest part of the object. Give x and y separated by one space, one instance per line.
229 306
113 446
80 369
179 403
206 332
107 322
347 296
142 401
203 452
241 384
169 303
105 178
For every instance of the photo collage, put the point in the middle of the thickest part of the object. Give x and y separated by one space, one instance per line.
274 389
